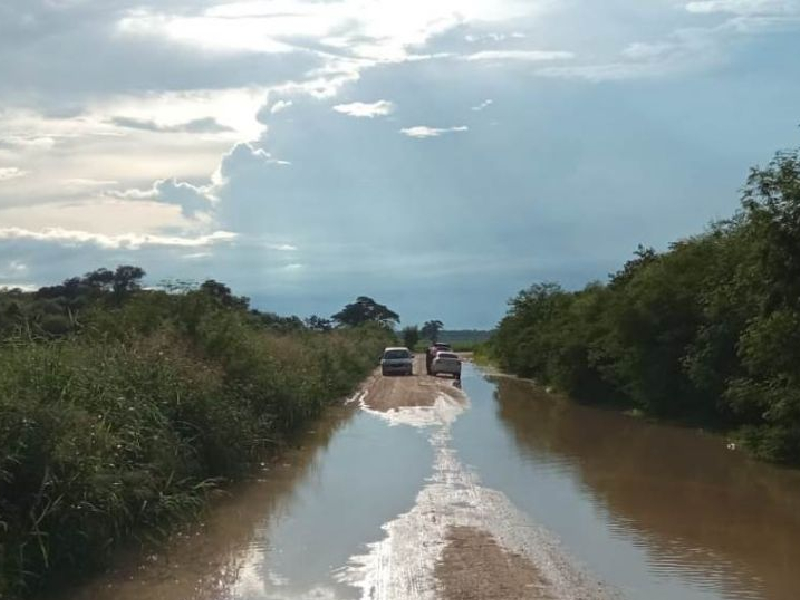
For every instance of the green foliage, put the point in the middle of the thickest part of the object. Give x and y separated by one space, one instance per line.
462 346
707 331
365 310
482 354
431 329
317 323
121 411
221 295
464 336
411 337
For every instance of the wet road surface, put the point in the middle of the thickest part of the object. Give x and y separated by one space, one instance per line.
418 489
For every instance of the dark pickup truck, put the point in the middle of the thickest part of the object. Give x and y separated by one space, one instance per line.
430 354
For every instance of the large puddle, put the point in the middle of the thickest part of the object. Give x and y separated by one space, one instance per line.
599 504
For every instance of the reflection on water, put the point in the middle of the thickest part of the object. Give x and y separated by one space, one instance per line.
660 511
369 475
283 535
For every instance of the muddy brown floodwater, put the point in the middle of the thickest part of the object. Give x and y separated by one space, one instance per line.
419 489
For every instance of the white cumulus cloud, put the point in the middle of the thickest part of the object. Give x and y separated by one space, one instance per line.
192 199
88 183
521 55
279 106
381 108
486 103
129 241
647 51
744 7
423 131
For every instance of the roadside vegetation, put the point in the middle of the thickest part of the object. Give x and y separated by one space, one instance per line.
122 410
708 331
471 337
431 329
483 354
411 337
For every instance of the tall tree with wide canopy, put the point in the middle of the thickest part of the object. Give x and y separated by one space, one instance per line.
365 310
431 330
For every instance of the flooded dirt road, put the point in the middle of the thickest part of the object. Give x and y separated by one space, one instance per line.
418 489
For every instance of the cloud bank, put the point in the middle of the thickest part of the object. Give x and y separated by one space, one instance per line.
592 126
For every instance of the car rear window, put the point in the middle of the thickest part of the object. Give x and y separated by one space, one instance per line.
396 354
445 355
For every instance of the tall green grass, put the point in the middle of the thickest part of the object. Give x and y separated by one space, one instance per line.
482 355
125 430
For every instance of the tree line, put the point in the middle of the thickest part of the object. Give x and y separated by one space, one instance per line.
429 331
707 331
62 309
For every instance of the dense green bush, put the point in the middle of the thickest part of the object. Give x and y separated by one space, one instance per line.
707 331
123 427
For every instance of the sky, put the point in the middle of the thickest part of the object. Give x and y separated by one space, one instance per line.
437 156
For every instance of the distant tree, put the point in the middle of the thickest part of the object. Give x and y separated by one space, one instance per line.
71 288
100 279
120 282
411 337
431 330
126 279
278 323
287 324
365 310
222 294
177 286
318 323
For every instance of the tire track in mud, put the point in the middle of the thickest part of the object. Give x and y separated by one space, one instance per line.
460 540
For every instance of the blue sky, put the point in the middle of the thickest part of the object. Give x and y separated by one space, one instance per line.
437 156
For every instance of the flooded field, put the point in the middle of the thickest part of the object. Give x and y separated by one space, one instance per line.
420 489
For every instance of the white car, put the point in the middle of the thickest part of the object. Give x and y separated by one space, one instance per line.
397 361
446 363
